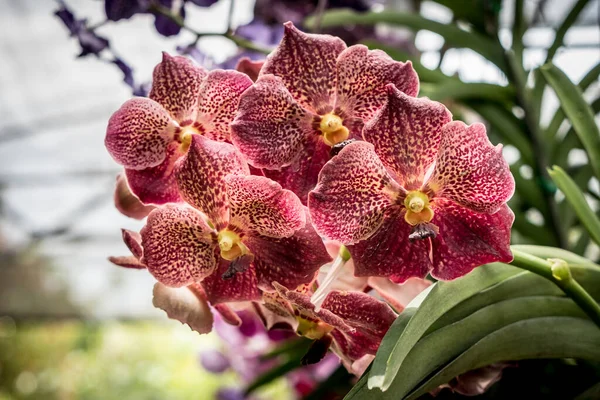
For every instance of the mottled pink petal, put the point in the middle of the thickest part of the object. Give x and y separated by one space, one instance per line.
406 133
127 262
127 203
470 170
156 185
242 286
468 239
200 177
187 305
175 84
290 261
302 176
139 133
306 63
362 75
257 205
249 67
218 102
133 241
353 194
179 247
398 296
271 128
389 253
228 314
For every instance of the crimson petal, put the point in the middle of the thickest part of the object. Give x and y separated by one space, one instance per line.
242 286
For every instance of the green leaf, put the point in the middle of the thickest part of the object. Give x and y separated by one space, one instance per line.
575 197
442 297
578 111
546 337
442 346
564 27
453 35
458 90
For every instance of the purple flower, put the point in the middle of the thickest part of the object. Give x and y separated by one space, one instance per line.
88 40
214 361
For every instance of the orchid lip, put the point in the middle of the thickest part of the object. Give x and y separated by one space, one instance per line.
417 208
333 129
231 245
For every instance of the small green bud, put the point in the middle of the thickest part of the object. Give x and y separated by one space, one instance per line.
560 269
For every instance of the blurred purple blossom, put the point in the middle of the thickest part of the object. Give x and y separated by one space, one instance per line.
230 394
89 41
214 361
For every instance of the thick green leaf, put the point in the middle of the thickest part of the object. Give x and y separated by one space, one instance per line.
442 298
564 27
547 337
441 347
575 197
456 90
562 148
453 35
578 111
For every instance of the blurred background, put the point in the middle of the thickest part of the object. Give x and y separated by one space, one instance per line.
74 326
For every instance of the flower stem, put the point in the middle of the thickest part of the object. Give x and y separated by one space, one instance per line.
335 270
239 41
557 271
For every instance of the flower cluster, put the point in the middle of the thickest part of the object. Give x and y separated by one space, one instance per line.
244 175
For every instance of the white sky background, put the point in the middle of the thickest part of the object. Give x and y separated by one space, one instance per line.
54 109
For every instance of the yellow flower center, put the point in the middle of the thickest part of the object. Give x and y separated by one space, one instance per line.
312 329
185 137
231 245
417 208
333 129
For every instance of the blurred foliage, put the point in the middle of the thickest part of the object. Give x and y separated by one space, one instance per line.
112 360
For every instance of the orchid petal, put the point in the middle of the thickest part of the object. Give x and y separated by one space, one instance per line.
389 252
257 205
271 128
398 296
218 102
186 305
175 85
353 194
127 203
139 133
228 314
200 177
468 239
249 67
470 170
133 241
131 262
179 247
306 63
156 185
291 261
302 176
406 133
242 286
362 75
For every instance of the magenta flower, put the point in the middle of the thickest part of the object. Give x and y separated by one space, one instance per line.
240 234
312 93
352 323
422 194
147 135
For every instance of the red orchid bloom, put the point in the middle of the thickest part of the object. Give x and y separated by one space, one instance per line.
351 323
311 94
147 135
421 194
240 234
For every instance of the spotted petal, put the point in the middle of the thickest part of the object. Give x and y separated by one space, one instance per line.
353 194
470 170
260 206
127 203
133 241
271 128
179 247
249 67
306 63
389 253
187 305
139 133
218 102
175 84
242 286
200 177
291 261
362 76
131 262
468 239
156 185
406 133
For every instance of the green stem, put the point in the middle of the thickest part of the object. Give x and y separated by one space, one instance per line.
568 285
239 41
